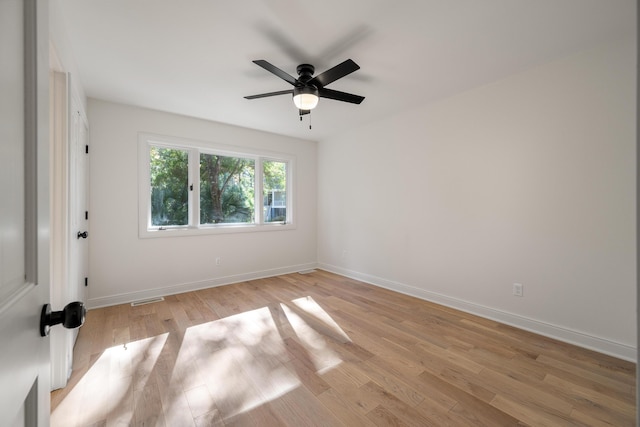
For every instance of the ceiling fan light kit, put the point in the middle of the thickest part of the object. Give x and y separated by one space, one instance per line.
306 97
308 89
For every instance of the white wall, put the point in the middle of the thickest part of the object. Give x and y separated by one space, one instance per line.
124 267
529 180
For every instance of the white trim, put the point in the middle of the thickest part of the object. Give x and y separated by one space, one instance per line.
129 297
581 339
213 229
258 198
61 340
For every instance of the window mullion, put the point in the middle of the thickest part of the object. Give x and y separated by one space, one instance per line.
289 192
259 194
194 193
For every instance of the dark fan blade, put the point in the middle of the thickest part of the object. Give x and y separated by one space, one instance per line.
264 95
340 96
275 70
303 112
335 73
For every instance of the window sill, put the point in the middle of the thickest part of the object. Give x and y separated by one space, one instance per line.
213 229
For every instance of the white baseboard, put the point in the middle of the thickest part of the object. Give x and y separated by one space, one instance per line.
580 339
129 297
601 345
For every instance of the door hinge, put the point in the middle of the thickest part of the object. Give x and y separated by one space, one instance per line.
191 187
86 215
86 281
86 149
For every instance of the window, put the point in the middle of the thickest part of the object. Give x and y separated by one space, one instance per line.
274 187
169 186
226 189
188 188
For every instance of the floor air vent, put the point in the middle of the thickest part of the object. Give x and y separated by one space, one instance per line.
146 301
307 271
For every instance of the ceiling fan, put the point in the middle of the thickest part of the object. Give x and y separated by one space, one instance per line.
307 89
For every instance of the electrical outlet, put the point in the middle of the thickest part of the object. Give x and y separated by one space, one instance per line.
518 289
218 261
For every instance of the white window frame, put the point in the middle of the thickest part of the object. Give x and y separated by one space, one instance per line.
194 148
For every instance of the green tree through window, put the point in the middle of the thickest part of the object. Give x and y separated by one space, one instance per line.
169 170
226 189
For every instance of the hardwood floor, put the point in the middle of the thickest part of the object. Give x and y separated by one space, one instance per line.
323 350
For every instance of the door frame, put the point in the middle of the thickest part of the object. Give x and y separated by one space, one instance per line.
60 364
63 97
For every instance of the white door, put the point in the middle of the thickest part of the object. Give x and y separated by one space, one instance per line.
70 218
79 210
24 212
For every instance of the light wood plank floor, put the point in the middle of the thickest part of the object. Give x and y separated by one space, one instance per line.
324 350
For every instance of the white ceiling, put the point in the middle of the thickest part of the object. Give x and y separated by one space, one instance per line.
193 57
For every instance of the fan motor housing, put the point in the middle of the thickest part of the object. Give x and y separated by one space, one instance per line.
305 71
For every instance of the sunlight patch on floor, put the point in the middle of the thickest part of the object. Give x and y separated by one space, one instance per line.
226 367
309 305
117 372
240 359
314 343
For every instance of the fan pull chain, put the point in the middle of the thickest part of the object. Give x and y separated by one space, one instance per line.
309 120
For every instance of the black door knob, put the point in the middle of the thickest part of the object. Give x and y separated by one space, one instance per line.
84 234
71 317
